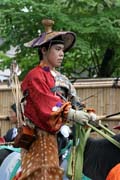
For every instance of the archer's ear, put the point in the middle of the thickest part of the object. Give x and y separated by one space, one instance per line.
43 50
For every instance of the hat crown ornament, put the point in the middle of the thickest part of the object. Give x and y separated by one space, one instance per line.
48 23
68 37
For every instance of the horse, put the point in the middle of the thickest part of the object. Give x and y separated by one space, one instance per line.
100 156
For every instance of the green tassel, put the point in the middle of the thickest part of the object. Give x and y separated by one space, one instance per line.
81 138
69 167
75 161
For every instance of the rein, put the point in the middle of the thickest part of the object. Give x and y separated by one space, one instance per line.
105 135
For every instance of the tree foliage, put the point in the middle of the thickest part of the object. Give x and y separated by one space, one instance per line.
96 24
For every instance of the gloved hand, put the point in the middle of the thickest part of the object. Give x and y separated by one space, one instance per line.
91 111
78 116
93 116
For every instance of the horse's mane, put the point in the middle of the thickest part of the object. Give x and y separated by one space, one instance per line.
99 157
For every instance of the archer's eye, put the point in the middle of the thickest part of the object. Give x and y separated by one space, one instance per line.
58 48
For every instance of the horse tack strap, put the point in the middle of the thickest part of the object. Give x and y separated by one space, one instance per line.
109 138
13 173
70 143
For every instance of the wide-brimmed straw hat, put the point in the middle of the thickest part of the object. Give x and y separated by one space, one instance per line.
66 37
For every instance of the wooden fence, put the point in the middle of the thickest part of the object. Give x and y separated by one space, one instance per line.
6 100
101 94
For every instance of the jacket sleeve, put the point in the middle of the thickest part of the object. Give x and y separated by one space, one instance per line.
40 103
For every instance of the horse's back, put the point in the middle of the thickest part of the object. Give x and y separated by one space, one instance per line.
100 157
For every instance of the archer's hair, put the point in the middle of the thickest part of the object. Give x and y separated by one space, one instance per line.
46 45
56 40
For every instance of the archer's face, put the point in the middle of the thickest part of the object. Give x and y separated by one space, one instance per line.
12 117
55 55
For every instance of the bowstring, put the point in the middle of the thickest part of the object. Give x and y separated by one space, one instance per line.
17 95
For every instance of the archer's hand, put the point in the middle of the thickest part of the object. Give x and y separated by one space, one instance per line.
78 116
